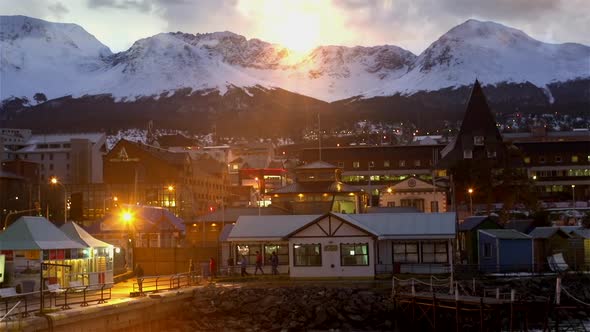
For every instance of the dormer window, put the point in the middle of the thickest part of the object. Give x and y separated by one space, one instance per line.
477 140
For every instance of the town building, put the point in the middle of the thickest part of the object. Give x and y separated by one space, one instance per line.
185 185
347 245
317 188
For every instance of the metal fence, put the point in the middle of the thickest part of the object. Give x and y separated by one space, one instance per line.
153 284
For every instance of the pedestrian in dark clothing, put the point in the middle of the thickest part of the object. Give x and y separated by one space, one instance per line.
258 263
274 263
139 275
212 268
191 271
243 266
230 266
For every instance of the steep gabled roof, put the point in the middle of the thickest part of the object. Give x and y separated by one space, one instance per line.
80 235
35 233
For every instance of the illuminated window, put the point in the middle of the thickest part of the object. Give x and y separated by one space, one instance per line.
354 254
356 164
307 254
386 163
402 163
574 159
281 250
527 160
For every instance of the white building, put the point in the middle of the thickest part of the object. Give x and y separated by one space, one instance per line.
347 245
413 192
72 158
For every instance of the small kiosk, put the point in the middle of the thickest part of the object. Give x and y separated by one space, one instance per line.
33 242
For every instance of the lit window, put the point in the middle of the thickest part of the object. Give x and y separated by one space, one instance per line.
371 164
356 164
527 160
402 163
574 159
386 163
307 254
354 254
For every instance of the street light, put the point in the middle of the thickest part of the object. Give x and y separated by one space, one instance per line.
470 191
258 196
127 217
104 203
54 180
573 196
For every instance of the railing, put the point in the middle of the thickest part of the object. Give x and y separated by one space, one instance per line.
82 295
154 284
471 270
30 303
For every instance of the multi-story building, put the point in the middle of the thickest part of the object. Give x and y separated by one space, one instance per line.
72 158
376 168
148 175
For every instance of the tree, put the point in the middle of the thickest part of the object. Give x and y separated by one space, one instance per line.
40 97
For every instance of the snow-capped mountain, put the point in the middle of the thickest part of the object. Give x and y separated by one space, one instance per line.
63 59
493 53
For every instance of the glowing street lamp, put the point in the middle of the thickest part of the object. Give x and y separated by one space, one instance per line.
470 191
55 181
573 196
127 218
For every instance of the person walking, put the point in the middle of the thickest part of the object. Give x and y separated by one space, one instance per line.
212 268
191 271
258 263
274 263
243 266
139 275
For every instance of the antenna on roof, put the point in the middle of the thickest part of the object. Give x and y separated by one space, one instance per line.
320 136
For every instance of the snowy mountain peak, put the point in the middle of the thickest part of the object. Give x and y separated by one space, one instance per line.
20 29
59 59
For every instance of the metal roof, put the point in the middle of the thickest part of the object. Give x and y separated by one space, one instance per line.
388 226
472 222
259 228
505 234
78 234
317 165
35 233
232 214
316 187
546 232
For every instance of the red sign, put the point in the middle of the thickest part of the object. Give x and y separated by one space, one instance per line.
9 255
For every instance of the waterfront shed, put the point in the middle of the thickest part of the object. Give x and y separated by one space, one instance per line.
549 241
580 240
504 250
468 236
99 265
30 241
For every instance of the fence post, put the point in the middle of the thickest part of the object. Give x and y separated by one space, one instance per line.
413 289
558 290
431 283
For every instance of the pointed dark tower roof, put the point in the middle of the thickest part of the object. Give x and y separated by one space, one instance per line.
478 115
479 137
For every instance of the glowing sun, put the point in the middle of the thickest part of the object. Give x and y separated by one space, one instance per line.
299 25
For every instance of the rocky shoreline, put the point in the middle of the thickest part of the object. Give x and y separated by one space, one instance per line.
315 306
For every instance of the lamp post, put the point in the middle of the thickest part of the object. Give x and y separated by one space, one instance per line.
470 191
54 180
258 196
127 218
573 196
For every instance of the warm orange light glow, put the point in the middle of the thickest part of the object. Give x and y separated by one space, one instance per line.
115 198
54 180
170 188
470 190
299 25
389 190
127 216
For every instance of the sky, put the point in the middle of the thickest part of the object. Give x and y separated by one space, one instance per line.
304 24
